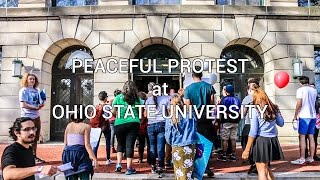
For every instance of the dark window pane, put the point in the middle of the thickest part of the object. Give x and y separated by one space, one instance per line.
8 3
253 66
222 2
76 2
304 3
149 2
241 2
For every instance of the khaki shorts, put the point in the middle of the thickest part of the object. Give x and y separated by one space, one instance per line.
228 131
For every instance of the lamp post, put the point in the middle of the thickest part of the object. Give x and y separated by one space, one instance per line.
297 68
16 68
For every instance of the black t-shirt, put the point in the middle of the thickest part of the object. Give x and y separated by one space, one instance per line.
18 155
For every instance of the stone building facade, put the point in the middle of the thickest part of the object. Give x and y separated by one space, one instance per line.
40 36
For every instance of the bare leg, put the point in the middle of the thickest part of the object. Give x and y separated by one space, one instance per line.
225 144
312 145
262 170
119 157
234 144
302 145
270 174
129 162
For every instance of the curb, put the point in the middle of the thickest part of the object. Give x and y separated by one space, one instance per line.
218 176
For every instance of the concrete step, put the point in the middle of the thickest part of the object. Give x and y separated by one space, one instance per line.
218 176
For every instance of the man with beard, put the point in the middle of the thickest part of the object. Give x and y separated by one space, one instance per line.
17 160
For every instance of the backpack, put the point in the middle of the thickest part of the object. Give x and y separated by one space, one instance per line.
97 121
230 120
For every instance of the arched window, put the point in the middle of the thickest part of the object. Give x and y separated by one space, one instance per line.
69 88
162 54
253 68
9 3
254 65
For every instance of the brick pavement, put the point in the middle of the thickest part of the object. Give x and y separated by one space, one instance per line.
52 154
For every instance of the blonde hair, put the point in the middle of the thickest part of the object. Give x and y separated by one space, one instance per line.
176 100
24 81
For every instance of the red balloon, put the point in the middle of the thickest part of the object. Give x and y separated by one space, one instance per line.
281 79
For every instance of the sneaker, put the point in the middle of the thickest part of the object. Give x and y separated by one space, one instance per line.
209 173
245 162
168 165
108 162
220 152
153 169
222 158
232 158
310 161
253 169
118 168
38 160
300 161
316 158
130 171
160 173
113 150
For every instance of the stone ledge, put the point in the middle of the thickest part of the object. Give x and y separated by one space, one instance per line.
184 10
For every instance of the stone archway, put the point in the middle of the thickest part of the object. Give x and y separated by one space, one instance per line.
161 49
52 56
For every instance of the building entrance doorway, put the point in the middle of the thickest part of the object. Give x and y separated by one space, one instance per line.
162 54
68 88
172 81
253 69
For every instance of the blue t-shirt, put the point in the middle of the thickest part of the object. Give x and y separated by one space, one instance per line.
260 127
163 104
228 101
199 94
31 97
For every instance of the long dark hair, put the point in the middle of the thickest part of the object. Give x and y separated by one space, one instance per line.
129 92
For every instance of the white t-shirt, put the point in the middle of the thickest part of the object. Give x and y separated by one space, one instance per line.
308 95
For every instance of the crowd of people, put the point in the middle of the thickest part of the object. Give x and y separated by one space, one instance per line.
171 142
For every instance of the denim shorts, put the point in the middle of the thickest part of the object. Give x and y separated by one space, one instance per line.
306 125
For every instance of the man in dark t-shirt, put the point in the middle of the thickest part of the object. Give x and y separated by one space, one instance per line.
200 93
17 160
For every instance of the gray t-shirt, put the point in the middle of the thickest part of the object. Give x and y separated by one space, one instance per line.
246 101
30 96
163 104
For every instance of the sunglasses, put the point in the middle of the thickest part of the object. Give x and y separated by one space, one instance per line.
28 129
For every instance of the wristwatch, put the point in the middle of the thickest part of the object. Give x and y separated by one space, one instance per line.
39 169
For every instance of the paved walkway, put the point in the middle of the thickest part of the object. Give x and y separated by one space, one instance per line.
52 154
